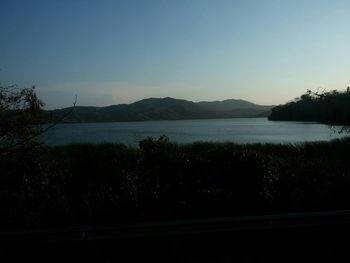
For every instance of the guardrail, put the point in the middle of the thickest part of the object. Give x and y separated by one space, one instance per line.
276 222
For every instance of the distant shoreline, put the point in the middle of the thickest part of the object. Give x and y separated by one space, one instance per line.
203 119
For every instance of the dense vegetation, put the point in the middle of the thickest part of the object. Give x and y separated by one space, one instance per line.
163 109
77 184
328 107
160 180
20 109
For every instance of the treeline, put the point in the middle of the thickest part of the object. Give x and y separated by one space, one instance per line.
160 180
327 107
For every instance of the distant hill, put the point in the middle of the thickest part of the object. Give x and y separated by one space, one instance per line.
231 104
163 109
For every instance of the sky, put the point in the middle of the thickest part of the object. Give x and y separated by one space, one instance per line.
112 52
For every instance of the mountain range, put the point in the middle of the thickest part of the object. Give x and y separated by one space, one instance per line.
161 109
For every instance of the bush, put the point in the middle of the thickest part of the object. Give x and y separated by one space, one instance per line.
160 180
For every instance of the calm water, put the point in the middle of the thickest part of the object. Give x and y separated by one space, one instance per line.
240 130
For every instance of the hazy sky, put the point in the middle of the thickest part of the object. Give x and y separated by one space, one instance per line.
111 52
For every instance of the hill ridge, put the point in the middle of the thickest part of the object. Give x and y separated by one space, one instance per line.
166 108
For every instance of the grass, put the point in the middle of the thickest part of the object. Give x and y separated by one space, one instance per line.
160 180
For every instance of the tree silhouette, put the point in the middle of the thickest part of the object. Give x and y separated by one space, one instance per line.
20 111
332 107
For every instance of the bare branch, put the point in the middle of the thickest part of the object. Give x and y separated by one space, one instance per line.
20 110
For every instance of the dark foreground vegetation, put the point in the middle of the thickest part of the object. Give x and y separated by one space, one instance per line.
327 107
111 183
68 202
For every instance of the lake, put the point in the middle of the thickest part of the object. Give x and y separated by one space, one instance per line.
239 130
